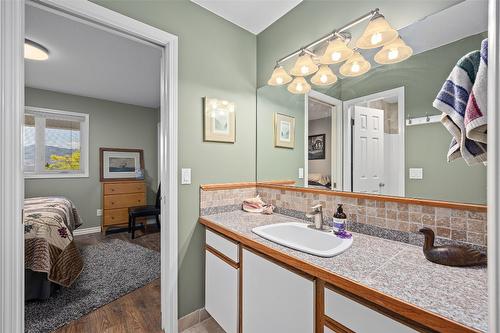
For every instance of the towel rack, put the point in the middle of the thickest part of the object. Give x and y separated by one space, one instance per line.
423 120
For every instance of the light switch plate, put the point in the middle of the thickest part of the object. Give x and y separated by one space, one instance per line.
186 176
301 173
416 173
99 212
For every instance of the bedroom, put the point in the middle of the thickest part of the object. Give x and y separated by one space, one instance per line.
85 171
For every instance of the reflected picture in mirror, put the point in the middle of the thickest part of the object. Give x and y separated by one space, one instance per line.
377 133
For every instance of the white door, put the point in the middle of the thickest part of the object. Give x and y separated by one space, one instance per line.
368 150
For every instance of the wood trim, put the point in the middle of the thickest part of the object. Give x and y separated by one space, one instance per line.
221 256
231 186
406 310
226 186
101 160
336 326
320 306
411 201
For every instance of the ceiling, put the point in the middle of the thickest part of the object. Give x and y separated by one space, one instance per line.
252 15
317 109
88 61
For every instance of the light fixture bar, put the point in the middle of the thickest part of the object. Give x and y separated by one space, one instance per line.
349 25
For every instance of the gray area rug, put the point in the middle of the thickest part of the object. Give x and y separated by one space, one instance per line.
111 269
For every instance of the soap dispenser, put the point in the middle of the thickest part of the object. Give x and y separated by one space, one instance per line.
339 220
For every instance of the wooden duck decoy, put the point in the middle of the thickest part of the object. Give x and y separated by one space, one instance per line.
450 255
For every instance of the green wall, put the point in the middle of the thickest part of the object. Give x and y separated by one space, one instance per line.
216 59
110 125
422 75
275 163
313 19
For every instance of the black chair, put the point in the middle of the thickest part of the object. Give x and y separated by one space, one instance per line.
144 211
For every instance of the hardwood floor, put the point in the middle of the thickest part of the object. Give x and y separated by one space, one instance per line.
138 311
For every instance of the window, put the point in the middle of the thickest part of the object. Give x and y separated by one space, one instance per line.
55 143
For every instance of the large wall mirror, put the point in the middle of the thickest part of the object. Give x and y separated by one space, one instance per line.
378 132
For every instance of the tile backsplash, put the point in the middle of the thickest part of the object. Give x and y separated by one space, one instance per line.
393 220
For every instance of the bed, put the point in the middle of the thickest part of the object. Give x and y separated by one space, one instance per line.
316 180
52 259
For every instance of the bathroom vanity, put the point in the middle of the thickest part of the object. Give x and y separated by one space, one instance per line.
255 285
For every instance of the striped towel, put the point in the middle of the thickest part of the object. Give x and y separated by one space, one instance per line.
462 99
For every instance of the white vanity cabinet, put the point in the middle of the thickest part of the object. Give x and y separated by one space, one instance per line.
358 317
275 299
222 281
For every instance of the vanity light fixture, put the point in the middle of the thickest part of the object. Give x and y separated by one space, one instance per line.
279 77
336 51
35 51
299 86
324 76
304 65
355 66
378 32
394 52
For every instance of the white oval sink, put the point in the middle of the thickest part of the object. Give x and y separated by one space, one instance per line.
299 236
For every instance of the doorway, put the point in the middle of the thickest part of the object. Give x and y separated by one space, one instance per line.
375 132
12 238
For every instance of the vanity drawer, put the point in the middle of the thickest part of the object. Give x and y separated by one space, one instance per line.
124 200
124 188
225 246
347 312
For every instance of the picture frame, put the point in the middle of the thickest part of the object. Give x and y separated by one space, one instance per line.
121 164
316 147
284 131
219 120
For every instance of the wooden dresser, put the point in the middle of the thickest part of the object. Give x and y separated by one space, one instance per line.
117 197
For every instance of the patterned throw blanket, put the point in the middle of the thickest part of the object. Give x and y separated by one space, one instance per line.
49 223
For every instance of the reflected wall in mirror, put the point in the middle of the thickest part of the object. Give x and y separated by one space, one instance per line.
381 132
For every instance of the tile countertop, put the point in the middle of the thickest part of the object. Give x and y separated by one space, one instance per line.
396 269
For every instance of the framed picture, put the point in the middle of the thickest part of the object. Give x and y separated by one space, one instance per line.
316 147
219 120
121 164
284 131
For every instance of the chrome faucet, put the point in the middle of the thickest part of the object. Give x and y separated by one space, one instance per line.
317 215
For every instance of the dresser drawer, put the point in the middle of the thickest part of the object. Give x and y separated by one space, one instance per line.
124 188
124 200
116 216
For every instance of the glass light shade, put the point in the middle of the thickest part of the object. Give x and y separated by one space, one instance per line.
378 32
324 76
393 52
35 51
279 77
304 66
336 51
355 66
299 85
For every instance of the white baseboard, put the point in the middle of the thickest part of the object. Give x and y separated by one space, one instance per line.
86 231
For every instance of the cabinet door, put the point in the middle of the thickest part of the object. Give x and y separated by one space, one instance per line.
275 299
221 292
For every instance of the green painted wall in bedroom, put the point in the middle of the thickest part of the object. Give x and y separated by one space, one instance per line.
216 59
110 125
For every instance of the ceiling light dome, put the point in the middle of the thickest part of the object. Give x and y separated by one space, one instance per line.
35 51
279 77
299 86
355 66
394 52
324 76
304 66
336 51
378 32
